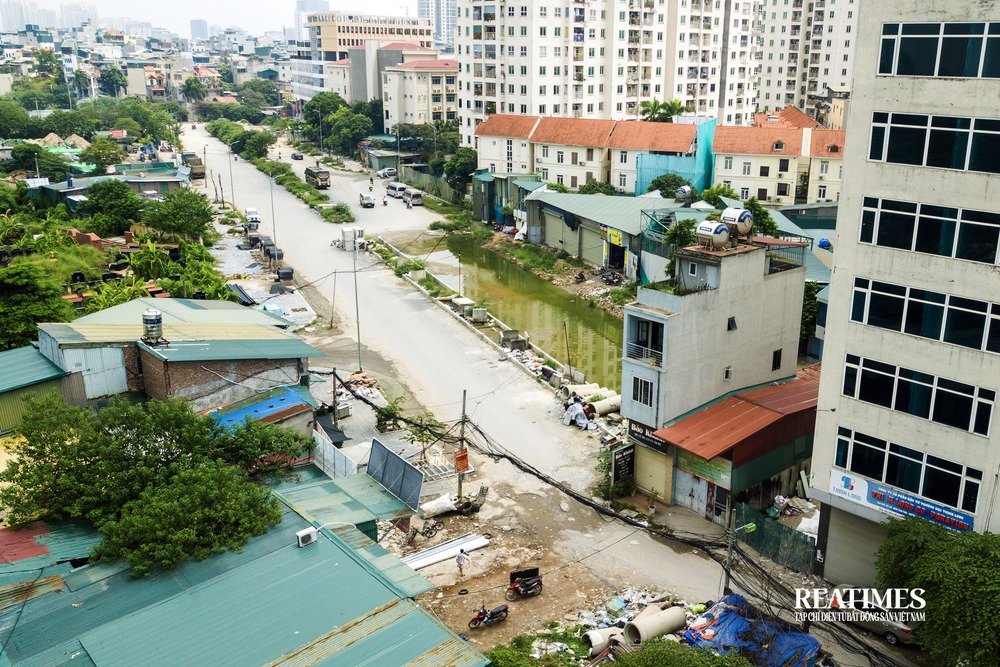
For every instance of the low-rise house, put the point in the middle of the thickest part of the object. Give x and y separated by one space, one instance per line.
420 91
26 371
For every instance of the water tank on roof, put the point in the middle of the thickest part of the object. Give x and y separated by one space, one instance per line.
741 218
152 325
713 234
683 192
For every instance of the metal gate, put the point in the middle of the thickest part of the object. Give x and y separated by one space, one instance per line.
690 492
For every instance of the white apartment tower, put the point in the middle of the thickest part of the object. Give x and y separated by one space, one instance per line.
442 16
907 422
806 46
603 58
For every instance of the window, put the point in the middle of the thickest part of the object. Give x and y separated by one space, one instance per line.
559 178
949 142
765 171
545 151
933 315
642 391
956 404
744 193
928 228
776 360
544 173
783 165
727 373
824 167
623 157
692 269
731 325
940 49
821 192
925 474
621 180
559 157
746 168
727 163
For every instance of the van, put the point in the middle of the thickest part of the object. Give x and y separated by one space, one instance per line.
251 215
396 189
414 197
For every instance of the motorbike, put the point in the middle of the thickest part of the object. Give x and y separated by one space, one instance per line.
385 202
612 278
524 587
483 616
580 277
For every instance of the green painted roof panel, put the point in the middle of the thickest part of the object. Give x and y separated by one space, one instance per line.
182 310
25 366
217 350
623 213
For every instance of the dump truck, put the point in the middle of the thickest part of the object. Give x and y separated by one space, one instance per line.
197 167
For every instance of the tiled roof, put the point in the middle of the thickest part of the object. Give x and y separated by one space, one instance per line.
408 46
225 99
757 140
573 131
824 140
503 125
430 64
669 137
787 117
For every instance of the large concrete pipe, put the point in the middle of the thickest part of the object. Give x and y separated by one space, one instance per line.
654 625
609 404
603 392
649 610
568 390
598 640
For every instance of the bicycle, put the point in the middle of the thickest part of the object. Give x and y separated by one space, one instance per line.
428 530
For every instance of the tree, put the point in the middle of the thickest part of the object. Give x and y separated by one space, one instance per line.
372 109
460 167
104 153
763 223
266 89
255 144
27 297
347 129
113 81
225 70
712 195
46 62
111 294
656 111
14 121
317 112
130 125
196 503
257 446
557 187
114 205
919 554
810 311
193 89
667 184
81 82
182 211
680 235
595 187
150 263
26 157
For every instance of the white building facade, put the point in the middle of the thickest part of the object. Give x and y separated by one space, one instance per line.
906 421
418 92
441 14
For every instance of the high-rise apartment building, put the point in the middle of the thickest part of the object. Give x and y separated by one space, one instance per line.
199 29
806 47
332 34
442 15
303 8
907 421
603 59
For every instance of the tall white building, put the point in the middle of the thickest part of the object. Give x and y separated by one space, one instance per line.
806 47
303 8
442 16
602 59
907 421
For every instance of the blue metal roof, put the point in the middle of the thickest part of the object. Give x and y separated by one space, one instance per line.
283 401
25 366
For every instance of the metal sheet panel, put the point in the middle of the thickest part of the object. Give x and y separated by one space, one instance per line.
12 406
103 369
399 477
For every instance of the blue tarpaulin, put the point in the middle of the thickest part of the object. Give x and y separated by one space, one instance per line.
732 625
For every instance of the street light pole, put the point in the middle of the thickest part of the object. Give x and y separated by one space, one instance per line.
274 221
232 193
357 307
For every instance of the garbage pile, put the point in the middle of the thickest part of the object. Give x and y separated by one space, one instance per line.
584 403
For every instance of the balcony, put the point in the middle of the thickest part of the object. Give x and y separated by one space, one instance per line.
640 352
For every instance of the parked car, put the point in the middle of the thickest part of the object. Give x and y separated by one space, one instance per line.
366 200
386 172
870 617
297 156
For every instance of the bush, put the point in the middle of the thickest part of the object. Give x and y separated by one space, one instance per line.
409 265
337 214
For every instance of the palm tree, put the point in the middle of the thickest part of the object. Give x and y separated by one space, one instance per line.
81 82
651 110
673 108
193 90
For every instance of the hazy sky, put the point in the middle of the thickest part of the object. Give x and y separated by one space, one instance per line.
256 16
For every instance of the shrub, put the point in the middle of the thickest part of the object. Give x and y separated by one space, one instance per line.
337 214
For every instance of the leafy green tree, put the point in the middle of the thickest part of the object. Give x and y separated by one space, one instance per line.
14 121
667 184
373 110
257 446
656 111
81 82
104 153
347 129
317 113
712 195
131 126
947 565
107 295
193 89
255 144
46 62
113 81
763 223
65 123
557 187
225 69
114 206
25 157
150 263
460 167
183 211
197 503
266 89
680 235
595 187
28 296
810 311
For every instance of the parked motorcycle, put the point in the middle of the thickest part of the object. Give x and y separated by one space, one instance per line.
580 277
612 278
494 615
524 587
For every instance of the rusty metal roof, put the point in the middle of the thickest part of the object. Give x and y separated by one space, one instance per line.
723 425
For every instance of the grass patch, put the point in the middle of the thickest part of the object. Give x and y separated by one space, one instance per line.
518 652
433 287
337 214
624 294
531 256
408 265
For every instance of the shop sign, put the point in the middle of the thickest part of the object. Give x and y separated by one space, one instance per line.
719 471
615 237
462 461
623 464
644 436
895 501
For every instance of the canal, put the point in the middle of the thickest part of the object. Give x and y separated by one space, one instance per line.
546 312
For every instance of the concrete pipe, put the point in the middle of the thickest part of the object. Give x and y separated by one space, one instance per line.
600 391
568 390
649 610
646 628
610 404
598 640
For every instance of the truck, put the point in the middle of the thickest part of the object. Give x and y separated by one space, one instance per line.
195 163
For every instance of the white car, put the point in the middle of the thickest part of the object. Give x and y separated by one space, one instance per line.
252 215
387 172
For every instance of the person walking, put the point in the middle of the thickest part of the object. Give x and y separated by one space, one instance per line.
462 559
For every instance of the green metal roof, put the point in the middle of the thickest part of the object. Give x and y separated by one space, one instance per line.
623 213
274 603
218 350
182 310
25 366
528 185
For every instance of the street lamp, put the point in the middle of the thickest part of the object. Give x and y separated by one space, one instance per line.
274 221
232 192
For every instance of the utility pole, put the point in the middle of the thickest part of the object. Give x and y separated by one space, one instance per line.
463 450
336 423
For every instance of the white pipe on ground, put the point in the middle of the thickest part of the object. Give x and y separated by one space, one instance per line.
598 640
610 404
646 628
568 390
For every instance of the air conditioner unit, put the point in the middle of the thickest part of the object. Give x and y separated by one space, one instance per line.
821 178
770 199
781 175
306 536
538 159
581 164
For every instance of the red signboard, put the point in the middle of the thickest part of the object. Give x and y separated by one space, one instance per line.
462 461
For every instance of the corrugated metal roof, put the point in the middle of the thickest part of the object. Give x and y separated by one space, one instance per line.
25 366
218 350
624 213
181 310
87 334
271 405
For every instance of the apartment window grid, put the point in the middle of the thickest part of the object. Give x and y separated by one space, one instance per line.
942 401
949 142
940 50
642 391
932 229
933 315
930 476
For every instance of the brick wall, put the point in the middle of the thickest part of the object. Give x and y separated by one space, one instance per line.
133 372
207 384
